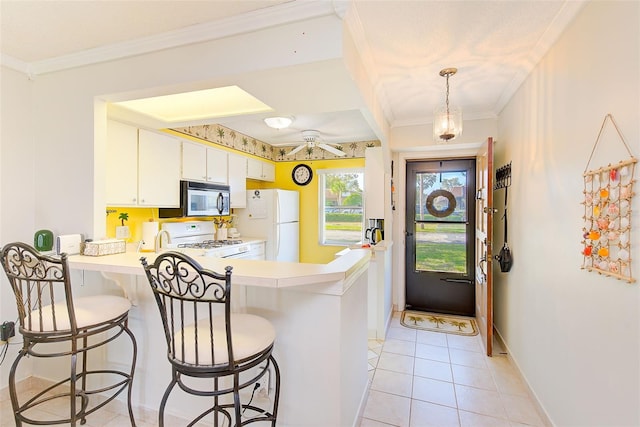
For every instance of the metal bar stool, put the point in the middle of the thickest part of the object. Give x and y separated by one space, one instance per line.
205 340
48 313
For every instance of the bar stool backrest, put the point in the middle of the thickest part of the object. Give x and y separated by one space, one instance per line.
42 289
194 305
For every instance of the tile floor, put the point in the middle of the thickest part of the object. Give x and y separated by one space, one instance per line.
417 378
422 378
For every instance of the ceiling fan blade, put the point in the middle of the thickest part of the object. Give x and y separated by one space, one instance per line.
331 149
295 150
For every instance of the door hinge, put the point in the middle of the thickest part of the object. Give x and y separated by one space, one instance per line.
489 210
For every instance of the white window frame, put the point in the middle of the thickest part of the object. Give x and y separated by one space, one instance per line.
322 173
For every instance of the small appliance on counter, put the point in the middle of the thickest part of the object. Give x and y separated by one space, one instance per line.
375 233
69 244
43 240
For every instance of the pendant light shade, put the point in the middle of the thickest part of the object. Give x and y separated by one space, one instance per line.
447 120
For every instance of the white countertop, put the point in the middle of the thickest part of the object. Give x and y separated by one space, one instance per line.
272 274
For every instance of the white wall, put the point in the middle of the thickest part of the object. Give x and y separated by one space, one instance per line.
17 187
575 335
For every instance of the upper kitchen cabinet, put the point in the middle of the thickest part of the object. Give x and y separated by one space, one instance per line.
238 180
122 164
158 169
202 163
143 167
263 171
374 183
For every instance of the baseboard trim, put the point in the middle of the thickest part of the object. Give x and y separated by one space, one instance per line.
534 397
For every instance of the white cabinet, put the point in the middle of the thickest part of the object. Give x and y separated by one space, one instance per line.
375 186
122 164
143 167
263 171
238 180
379 294
257 251
158 169
202 163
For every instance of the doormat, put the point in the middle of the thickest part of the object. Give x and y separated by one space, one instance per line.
436 322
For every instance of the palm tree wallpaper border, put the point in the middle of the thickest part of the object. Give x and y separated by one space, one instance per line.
439 323
223 136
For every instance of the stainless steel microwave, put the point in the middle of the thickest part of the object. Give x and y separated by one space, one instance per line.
199 199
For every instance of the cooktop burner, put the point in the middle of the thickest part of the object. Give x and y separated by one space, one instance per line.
210 244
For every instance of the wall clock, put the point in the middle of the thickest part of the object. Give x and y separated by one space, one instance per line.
302 174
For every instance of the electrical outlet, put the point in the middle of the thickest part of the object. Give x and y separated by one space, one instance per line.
7 330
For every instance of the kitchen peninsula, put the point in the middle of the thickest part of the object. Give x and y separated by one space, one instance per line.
319 312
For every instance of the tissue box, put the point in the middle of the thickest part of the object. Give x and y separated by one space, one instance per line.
105 247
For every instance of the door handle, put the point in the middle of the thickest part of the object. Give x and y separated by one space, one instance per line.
457 280
483 260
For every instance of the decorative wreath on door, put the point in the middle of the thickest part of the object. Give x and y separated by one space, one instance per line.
441 213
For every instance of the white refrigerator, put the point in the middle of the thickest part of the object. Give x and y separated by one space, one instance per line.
273 214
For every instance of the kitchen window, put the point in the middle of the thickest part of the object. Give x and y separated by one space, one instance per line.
341 219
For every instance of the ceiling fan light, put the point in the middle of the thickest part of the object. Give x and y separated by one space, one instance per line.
278 122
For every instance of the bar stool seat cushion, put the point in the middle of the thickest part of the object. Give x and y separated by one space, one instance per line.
250 335
89 311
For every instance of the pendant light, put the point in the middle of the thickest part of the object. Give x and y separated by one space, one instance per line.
447 121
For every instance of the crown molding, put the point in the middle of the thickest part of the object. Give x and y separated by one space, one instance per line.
285 13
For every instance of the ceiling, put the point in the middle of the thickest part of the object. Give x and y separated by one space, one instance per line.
403 45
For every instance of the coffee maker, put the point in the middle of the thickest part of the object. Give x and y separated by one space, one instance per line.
375 233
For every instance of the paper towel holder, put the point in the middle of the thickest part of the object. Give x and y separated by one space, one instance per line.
149 232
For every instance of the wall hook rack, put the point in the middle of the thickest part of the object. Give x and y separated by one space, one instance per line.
503 177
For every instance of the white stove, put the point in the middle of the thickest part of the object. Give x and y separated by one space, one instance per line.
198 238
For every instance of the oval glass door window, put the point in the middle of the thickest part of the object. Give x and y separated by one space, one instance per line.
441 203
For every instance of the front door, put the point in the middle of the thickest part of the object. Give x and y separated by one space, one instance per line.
484 244
440 236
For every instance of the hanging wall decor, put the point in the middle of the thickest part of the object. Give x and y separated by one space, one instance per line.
606 233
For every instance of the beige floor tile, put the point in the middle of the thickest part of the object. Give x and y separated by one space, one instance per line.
407 348
425 414
392 382
365 422
388 408
510 383
432 369
375 345
370 375
432 352
396 362
470 419
467 358
434 391
464 342
432 338
474 377
401 333
485 402
521 410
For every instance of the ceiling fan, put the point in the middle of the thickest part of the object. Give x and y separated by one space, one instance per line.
310 138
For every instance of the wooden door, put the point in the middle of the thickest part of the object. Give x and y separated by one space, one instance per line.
484 242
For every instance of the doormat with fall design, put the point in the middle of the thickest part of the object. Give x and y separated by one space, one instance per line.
436 322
